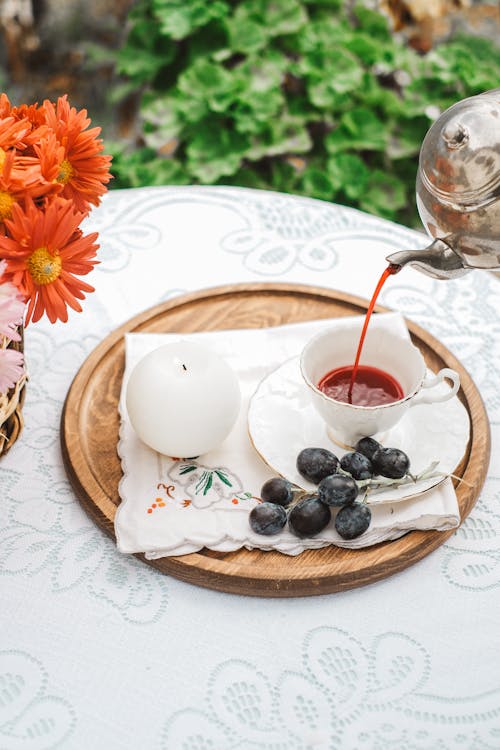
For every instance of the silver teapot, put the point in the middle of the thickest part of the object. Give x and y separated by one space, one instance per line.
458 190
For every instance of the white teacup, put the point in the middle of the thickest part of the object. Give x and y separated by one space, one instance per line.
336 347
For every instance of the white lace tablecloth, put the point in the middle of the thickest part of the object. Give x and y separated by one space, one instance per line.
99 651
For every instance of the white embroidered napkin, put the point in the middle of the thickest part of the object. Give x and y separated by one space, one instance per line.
174 507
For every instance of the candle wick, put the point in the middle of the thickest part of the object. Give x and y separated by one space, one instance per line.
184 367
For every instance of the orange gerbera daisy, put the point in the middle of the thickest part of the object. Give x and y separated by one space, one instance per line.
19 178
49 156
44 253
32 116
84 171
12 132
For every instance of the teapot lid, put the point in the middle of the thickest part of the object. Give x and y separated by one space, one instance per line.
460 155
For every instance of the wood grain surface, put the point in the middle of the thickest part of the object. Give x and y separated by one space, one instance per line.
89 436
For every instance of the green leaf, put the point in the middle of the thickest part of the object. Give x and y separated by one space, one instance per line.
359 129
179 18
223 477
208 483
263 72
146 51
162 122
384 195
373 22
286 135
204 76
201 481
215 151
208 84
191 109
386 100
284 176
407 138
247 176
254 113
284 16
349 173
187 469
164 172
209 41
330 4
367 48
317 184
331 79
246 34
142 167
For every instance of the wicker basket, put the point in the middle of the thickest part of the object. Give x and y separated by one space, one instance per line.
11 404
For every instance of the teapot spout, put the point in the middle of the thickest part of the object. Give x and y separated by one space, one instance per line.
438 260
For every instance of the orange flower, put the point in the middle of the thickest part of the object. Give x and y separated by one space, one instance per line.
43 252
20 178
49 156
12 132
5 106
31 116
83 171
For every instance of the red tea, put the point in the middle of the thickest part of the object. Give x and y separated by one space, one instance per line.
389 271
372 387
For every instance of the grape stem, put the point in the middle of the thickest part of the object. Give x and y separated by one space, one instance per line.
379 484
298 495
382 483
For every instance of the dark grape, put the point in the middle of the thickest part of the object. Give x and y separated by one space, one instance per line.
309 516
357 465
367 446
267 518
277 490
316 463
391 462
353 520
337 490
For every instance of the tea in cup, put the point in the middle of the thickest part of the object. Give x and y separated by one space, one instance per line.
392 378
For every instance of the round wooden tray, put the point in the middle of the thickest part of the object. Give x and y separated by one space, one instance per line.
89 435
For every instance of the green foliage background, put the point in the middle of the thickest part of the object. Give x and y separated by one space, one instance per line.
315 97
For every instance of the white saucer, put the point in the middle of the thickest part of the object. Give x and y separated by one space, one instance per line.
282 422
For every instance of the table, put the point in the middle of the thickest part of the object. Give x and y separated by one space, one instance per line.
99 651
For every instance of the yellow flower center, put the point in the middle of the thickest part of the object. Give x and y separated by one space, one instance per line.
66 172
43 266
6 203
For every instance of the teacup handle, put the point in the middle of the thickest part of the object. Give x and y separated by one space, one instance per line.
434 398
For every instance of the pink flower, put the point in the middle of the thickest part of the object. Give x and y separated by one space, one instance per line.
11 368
11 308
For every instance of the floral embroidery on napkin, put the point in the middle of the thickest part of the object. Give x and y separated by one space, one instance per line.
205 485
197 485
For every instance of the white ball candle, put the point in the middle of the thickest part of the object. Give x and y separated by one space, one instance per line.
182 399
